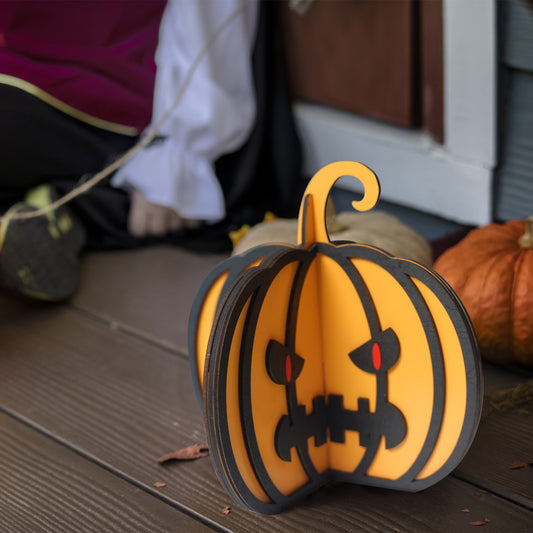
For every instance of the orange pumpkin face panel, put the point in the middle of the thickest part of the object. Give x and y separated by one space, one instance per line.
334 362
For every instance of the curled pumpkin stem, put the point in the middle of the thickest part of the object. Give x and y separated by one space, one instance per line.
312 218
332 223
526 240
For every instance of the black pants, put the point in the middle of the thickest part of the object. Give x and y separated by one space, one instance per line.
39 144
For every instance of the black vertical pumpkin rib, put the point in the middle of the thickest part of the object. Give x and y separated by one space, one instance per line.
472 361
290 341
394 266
267 275
374 326
234 266
248 287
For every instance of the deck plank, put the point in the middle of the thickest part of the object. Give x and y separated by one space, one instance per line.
503 438
122 402
147 291
48 488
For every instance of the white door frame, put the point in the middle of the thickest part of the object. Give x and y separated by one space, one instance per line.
452 180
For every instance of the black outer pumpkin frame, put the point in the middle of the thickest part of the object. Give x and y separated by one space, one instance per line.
236 293
234 266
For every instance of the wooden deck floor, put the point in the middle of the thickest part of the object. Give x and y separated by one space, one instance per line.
94 391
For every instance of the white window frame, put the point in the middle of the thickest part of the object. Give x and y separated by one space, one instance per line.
452 180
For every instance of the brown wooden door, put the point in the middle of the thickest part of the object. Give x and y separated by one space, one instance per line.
377 58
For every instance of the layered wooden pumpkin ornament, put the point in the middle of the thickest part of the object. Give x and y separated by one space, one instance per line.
331 361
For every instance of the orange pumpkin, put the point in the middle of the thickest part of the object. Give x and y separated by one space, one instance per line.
491 270
331 361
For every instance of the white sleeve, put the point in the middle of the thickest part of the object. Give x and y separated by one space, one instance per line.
215 114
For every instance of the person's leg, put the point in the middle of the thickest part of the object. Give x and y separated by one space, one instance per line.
39 143
44 154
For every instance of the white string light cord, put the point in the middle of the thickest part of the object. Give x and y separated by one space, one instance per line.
144 141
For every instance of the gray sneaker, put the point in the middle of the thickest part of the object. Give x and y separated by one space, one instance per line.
39 257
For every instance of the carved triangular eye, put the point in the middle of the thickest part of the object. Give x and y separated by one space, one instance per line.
282 365
379 354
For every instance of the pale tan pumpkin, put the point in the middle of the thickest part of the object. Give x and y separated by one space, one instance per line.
376 228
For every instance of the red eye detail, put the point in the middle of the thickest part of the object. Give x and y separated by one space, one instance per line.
376 356
288 368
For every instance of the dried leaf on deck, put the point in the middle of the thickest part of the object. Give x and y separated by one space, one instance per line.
480 522
186 454
159 484
226 510
518 464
